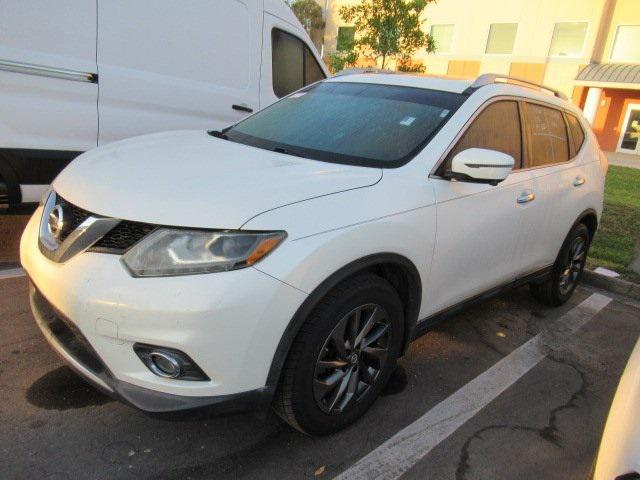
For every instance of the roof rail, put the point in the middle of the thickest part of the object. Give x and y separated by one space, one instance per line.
490 78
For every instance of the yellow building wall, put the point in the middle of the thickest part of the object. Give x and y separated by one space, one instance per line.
625 12
536 21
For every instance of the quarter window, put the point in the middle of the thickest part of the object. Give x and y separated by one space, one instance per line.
547 135
576 132
293 64
496 128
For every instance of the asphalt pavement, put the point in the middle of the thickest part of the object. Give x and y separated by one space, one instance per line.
528 389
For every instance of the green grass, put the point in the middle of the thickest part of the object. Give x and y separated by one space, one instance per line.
619 230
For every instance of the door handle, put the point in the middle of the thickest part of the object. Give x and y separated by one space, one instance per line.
526 197
579 181
242 108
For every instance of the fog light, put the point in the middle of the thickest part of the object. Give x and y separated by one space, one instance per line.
164 365
169 362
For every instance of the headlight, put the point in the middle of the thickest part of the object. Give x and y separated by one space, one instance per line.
168 251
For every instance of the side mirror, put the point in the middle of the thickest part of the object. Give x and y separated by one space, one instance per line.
481 165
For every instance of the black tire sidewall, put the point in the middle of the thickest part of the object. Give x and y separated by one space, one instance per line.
309 416
579 230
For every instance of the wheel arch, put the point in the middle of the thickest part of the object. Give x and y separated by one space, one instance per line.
396 269
590 218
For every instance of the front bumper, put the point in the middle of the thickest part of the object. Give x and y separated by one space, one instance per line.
229 323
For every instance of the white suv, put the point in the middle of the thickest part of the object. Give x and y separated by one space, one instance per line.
291 258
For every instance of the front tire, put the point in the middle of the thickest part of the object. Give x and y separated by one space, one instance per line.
567 269
342 357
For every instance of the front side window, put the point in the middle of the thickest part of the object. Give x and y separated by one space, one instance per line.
568 39
497 127
443 36
626 47
576 132
353 123
293 64
502 37
547 135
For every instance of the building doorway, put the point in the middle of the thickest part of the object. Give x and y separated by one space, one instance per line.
629 141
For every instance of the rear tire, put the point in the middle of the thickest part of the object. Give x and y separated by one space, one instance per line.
567 269
342 357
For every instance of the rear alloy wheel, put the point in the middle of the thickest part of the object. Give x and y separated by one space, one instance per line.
566 271
342 357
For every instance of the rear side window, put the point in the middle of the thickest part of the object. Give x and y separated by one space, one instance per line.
547 135
576 132
293 64
496 128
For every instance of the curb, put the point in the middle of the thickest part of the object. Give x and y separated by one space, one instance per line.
615 285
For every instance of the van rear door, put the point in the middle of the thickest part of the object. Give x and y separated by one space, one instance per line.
167 65
48 90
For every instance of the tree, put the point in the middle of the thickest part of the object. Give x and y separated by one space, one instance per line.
309 13
389 29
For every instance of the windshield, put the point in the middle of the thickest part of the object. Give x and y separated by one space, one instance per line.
354 123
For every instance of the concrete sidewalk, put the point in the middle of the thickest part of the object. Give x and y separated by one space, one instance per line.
623 159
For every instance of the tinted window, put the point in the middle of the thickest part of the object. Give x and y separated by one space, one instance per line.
345 122
577 134
547 134
496 128
312 71
293 64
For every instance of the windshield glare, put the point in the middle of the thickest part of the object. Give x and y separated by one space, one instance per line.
355 123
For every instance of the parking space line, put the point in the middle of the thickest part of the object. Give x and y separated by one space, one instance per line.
398 454
11 273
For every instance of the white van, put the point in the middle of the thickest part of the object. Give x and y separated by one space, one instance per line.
85 73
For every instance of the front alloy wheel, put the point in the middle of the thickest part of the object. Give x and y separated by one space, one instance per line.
351 358
342 356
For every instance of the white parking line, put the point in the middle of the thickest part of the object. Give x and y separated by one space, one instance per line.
398 454
11 273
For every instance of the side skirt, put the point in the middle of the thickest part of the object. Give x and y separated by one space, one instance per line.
427 324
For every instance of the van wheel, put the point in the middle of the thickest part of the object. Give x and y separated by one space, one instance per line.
342 357
566 271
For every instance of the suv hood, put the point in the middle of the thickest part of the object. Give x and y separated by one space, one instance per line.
192 179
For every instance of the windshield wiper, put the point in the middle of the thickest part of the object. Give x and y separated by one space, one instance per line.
218 134
287 152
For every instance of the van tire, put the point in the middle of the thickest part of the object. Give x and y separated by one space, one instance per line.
296 399
556 290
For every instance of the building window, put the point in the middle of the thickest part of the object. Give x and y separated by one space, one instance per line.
443 36
626 46
346 37
568 39
502 36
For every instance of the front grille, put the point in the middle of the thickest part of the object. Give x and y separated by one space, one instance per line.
67 334
118 240
122 237
78 215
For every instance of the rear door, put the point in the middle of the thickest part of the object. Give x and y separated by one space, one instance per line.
555 160
480 227
168 65
48 92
